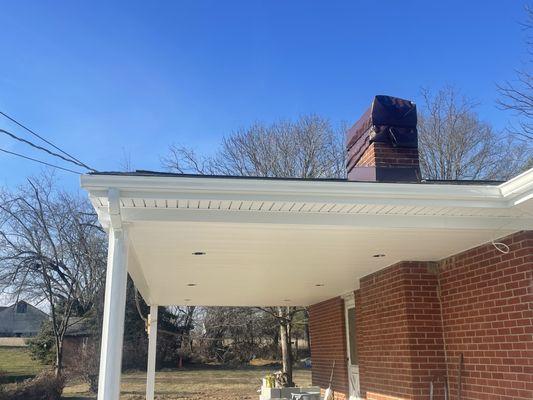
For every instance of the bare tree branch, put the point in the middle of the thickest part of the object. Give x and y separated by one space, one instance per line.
455 144
308 148
517 96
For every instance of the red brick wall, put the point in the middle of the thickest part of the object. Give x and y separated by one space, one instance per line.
414 320
385 155
327 333
487 310
402 349
384 357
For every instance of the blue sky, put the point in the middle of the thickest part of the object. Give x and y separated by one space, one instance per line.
104 78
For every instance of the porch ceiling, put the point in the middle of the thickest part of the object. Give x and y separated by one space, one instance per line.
270 242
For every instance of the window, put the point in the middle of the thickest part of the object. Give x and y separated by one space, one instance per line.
22 307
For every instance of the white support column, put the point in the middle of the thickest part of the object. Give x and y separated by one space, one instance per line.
113 321
152 347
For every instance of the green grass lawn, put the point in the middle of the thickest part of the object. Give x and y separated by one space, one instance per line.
16 364
195 383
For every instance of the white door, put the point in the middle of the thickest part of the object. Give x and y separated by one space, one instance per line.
351 338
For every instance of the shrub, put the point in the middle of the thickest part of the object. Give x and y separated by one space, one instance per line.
42 346
45 386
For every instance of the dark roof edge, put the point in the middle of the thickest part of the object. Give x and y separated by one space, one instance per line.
271 178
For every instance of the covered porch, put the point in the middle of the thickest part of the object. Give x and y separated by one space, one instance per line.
227 241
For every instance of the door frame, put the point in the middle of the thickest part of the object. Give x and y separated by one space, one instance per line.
349 302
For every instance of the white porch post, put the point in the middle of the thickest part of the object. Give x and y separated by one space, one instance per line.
113 322
152 346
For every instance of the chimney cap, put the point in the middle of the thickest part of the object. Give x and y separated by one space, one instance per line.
383 144
385 111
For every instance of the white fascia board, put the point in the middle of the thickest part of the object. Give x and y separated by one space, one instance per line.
317 191
518 189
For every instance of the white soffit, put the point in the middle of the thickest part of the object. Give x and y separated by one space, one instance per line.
270 242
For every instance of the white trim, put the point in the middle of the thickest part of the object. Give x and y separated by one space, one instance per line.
519 185
288 188
349 299
349 303
113 319
113 196
152 351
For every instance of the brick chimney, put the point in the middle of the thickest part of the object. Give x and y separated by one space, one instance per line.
383 145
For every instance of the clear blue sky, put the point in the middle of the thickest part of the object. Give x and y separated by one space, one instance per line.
100 78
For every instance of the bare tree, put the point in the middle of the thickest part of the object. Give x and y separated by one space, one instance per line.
455 144
51 249
308 148
179 322
517 96
284 317
234 334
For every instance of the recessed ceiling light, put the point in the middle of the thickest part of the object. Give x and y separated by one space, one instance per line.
319 285
378 255
187 299
287 300
199 253
191 284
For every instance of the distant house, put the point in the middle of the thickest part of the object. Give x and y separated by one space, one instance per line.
21 320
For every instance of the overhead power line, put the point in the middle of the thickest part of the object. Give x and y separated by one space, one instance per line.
13 136
80 163
39 161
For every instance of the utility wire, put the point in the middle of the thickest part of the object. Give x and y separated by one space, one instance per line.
39 161
46 141
13 136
